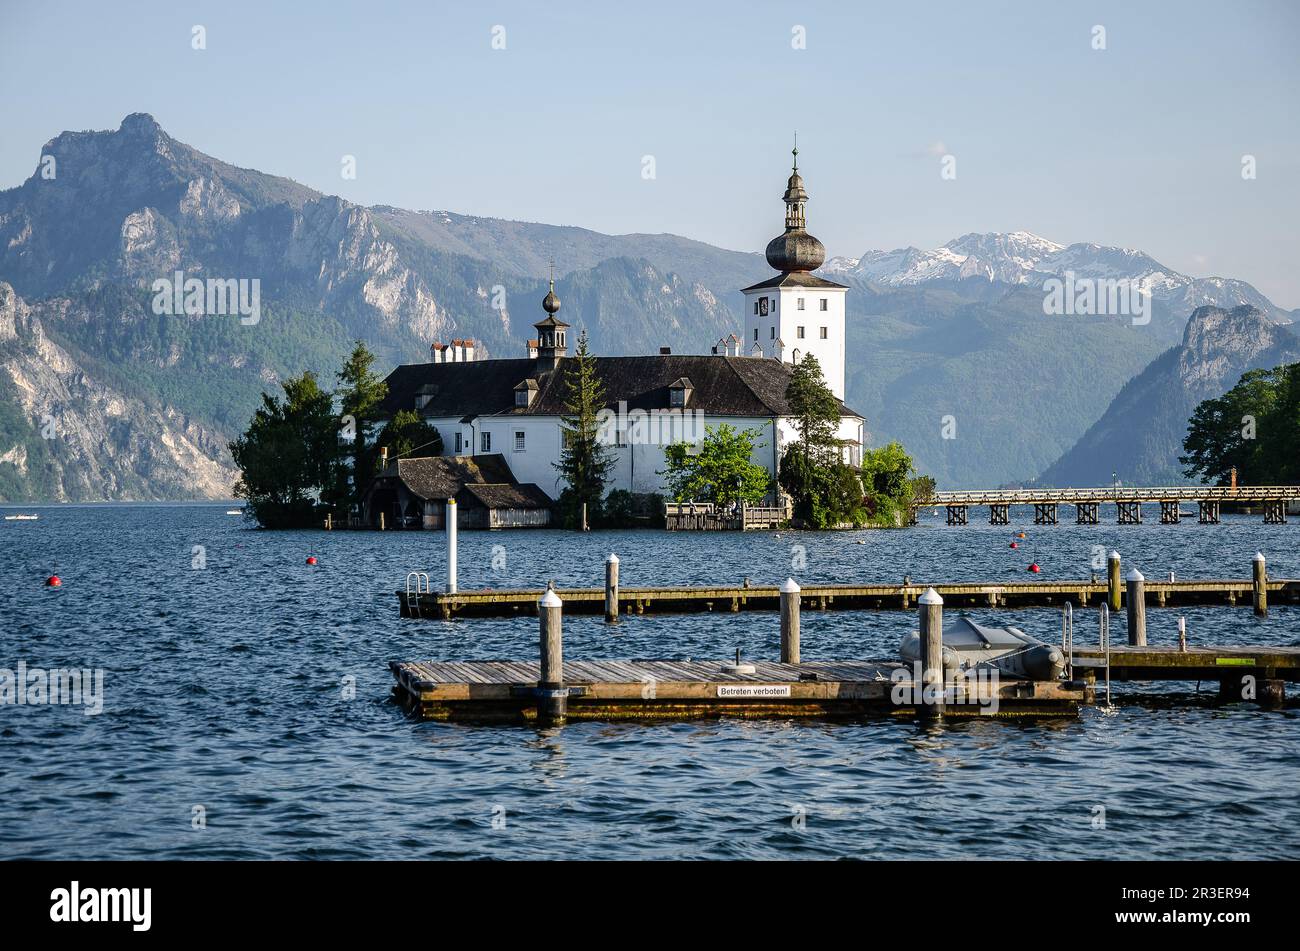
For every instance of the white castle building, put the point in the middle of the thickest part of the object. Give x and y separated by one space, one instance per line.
513 408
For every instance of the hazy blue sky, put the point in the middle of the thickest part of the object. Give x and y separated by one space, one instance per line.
1139 145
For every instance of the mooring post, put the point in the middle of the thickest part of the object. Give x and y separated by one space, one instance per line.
932 685
584 516
1182 633
1260 580
611 588
790 622
552 697
451 546
1112 568
1137 609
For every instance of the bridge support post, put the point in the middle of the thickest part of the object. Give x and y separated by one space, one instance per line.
1085 513
1137 609
1044 513
1112 581
957 514
1130 513
1275 512
1169 513
1209 512
999 513
1259 582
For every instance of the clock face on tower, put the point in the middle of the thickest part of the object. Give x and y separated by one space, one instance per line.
762 307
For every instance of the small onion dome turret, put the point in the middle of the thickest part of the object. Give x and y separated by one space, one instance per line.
796 250
551 303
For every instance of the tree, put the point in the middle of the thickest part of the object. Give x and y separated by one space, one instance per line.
722 471
408 436
1254 428
584 461
360 392
825 489
887 480
289 453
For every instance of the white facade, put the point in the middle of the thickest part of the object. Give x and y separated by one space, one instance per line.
785 323
531 446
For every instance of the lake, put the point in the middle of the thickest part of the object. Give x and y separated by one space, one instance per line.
247 709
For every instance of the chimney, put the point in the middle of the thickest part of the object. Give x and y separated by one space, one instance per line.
383 458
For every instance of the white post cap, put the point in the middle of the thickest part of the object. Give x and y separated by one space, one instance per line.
790 587
930 597
550 599
1134 575
1114 555
612 559
1259 556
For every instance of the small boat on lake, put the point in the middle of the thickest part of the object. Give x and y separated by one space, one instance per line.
234 511
967 645
21 518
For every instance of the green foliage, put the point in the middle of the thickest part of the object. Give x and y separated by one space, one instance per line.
584 462
289 454
888 479
360 392
1254 427
619 510
721 469
825 489
407 436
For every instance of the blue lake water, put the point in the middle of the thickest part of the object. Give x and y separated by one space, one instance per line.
225 697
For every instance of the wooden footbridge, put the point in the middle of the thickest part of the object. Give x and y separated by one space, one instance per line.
1128 502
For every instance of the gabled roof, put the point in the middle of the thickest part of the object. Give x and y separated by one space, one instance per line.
441 477
794 279
526 495
721 386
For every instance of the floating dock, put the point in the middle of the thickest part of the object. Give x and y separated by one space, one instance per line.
881 597
482 690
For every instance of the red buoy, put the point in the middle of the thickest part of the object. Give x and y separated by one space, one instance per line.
1034 568
1015 544
311 559
53 581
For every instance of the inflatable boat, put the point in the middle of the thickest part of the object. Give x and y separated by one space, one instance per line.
967 645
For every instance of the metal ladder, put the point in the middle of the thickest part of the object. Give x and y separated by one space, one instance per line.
421 586
1104 625
1067 639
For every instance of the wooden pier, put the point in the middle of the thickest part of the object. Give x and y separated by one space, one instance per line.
880 596
705 516
675 689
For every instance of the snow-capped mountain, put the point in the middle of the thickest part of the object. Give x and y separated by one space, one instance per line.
1024 258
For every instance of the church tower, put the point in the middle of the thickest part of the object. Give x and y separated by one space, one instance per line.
551 345
796 312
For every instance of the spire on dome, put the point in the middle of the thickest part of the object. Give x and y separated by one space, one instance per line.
796 250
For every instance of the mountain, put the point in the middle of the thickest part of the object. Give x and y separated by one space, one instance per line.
960 331
1141 433
1024 258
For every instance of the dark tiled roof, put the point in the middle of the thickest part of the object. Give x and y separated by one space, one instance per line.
793 279
441 477
526 495
722 386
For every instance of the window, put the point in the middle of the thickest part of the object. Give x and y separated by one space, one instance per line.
799 333
620 437
756 308
519 441
755 335
825 305
521 397
458 446
485 441
771 333
823 333
799 304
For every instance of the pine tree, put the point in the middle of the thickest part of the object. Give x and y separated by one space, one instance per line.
584 461
360 392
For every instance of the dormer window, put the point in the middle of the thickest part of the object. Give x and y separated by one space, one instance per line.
525 393
679 393
424 394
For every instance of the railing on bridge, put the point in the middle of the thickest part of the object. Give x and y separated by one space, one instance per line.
1128 501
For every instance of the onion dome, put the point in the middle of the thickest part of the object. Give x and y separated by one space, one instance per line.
796 250
551 303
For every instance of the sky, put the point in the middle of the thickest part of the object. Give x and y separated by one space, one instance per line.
1139 144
